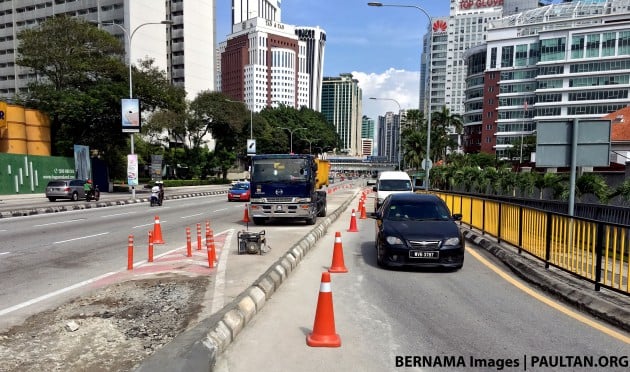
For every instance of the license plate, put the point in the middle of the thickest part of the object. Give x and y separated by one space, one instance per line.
424 254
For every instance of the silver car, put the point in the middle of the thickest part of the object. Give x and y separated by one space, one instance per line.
65 189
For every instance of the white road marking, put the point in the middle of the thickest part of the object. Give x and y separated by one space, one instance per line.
1 253
117 214
219 210
192 215
146 224
83 237
51 294
58 223
219 279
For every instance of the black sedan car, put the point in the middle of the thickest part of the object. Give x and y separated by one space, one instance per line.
417 230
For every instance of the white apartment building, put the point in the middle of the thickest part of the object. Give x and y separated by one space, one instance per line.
188 64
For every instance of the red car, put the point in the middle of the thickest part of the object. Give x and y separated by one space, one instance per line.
239 191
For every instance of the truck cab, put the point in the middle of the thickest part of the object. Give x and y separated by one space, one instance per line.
286 186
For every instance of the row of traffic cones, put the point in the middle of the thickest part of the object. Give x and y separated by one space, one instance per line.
324 333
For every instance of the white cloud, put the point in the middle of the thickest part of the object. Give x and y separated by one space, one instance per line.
400 85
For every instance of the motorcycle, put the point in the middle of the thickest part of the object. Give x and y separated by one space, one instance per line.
155 199
93 194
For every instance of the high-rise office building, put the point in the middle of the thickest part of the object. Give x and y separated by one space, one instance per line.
315 39
389 136
242 10
188 64
341 105
265 62
367 136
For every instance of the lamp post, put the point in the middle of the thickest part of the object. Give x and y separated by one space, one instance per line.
129 37
291 131
399 126
251 117
428 157
310 143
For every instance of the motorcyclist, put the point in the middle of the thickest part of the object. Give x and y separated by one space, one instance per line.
160 184
88 188
155 193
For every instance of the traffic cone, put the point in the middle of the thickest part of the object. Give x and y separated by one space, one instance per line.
157 232
338 264
363 212
353 223
324 334
246 215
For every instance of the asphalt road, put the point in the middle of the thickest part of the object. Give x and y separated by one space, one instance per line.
43 257
384 316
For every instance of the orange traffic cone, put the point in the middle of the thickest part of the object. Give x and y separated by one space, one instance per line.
246 215
324 334
157 232
363 213
338 264
353 223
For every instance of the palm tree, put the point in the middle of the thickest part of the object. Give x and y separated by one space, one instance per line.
591 183
444 125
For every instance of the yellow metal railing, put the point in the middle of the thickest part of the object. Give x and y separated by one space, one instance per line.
596 251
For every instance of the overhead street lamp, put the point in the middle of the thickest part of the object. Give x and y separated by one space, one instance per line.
251 117
428 157
129 37
399 126
291 131
310 143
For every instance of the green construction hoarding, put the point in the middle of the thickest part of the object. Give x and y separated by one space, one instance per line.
29 174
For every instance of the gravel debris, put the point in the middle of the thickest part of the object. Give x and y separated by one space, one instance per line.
111 329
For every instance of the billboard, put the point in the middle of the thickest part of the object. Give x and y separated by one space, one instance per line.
130 109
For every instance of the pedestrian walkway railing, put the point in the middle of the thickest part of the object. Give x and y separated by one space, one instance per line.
595 251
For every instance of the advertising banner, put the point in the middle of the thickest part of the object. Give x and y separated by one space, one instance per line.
132 170
83 169
156 167
130 115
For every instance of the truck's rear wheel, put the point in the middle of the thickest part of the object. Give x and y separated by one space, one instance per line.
322 211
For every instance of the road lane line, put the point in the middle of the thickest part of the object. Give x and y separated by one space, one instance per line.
563 309
145 225
219 210
192 215
218 299
83 237
59 223
51 294
1 253
117 214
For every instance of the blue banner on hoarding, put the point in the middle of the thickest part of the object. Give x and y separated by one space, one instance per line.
130 115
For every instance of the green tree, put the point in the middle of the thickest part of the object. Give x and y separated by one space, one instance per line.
83 79
443 138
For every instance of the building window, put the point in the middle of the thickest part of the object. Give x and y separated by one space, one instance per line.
609 39
552 49
507 56
577 47
592 45
493 58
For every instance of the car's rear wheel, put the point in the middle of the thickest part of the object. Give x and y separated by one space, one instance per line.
75 196
259 220
52 199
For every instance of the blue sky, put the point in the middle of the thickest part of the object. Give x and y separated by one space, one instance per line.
380 46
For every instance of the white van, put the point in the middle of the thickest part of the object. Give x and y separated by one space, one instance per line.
390 182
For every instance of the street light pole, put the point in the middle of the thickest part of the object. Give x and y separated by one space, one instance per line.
291 131
399 127
428 157
310 143
251 118
129 37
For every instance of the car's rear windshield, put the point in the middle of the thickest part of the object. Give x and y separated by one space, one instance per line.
241 186
57 183
418 211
